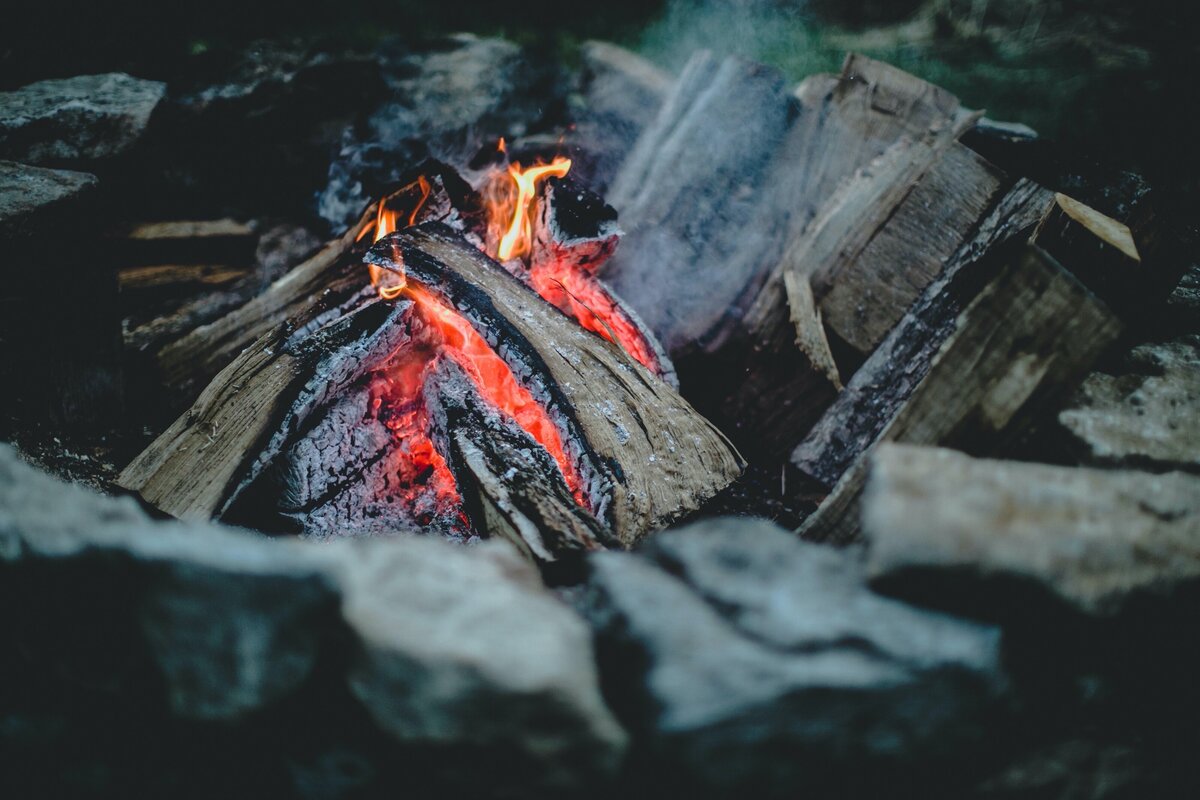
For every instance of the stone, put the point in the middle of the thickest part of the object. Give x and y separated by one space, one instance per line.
440 653
228 617
749 660
1144 413
1009 540
80 120
252 135
34 200
462 647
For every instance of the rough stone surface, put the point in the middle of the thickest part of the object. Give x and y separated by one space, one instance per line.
450 651
226 614
76 120
30 196
252 134
463 647
943 525
1145 414
745 658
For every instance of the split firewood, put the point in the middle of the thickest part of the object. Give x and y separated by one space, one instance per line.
574 234
316 291
885 381
219 241
332 430
707 231
702 258
979 377
1130 265
886 236
167 276
537 513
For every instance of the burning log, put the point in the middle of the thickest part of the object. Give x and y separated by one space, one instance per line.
992 342
643 454
468 407
536 513
199 466
320 289
575 232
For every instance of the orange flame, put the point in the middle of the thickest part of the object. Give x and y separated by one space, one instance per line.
390 285
517 210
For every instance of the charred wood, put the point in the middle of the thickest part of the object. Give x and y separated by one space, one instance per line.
511 485
881 386
245 417
575 232
313 293
646 456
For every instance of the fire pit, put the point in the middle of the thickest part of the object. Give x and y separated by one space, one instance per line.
684 441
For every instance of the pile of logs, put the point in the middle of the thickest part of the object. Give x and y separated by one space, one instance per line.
842 268
284 424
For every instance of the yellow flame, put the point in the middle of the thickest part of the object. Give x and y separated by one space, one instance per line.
518 239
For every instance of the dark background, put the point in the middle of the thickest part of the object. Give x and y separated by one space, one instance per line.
1113 80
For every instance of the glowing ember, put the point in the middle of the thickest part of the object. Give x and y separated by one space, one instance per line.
424 483
579 295
494 379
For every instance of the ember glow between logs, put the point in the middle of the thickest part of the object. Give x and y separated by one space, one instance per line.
424 480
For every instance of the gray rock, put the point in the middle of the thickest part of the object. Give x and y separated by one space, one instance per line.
77 120
228 616
1095 540
33 199
751 660
1146 414
462 647
453 649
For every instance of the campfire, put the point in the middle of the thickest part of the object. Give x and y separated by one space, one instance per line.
491 384
700 433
